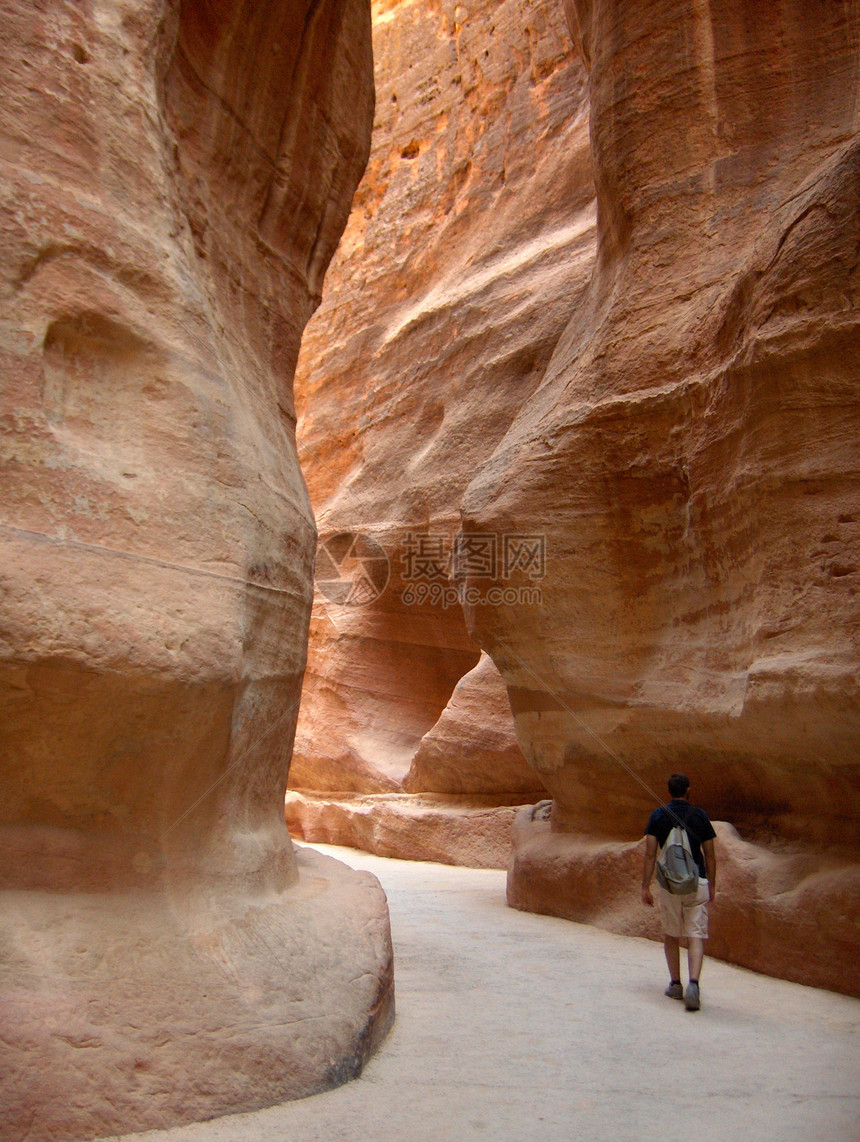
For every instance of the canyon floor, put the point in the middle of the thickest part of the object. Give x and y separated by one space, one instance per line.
514 1027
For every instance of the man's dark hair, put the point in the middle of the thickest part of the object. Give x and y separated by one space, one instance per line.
679 783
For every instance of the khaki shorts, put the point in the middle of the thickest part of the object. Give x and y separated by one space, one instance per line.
685 915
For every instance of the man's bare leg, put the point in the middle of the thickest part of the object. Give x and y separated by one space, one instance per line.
695 955
672 948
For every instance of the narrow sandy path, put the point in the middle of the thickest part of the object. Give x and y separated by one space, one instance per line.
520 1028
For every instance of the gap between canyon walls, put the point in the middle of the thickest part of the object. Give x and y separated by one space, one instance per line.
471 232
667 398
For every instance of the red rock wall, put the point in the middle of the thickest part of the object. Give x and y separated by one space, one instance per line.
691 452
681 431
176 177
790 914
470 235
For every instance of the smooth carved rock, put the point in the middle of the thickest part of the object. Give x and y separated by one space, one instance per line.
691 452
768 913
471 234
473 729
176 177
458 829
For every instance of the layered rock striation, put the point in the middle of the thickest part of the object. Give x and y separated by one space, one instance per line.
176 178
471 235
691 457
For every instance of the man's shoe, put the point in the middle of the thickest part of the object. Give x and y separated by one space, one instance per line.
674 991
691 997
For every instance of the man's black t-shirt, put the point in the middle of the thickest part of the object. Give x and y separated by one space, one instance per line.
696 821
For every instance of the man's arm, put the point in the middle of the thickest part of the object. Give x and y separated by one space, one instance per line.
710 855
648 869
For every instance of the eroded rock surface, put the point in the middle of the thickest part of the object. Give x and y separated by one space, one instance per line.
782 913
175 180
691 456
459 829
471 234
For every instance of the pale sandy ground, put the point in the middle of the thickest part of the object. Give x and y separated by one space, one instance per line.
513 1027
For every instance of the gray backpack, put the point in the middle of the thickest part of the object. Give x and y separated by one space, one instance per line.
677 870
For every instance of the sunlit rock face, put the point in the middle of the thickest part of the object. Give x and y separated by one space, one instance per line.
691 452
175 180
471 236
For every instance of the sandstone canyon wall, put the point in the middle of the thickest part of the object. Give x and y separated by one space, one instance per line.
691 455
471 235
175 179
675 419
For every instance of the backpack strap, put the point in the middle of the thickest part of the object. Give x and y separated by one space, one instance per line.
691 832
678 820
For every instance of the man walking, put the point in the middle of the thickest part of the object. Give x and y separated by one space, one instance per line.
682 915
